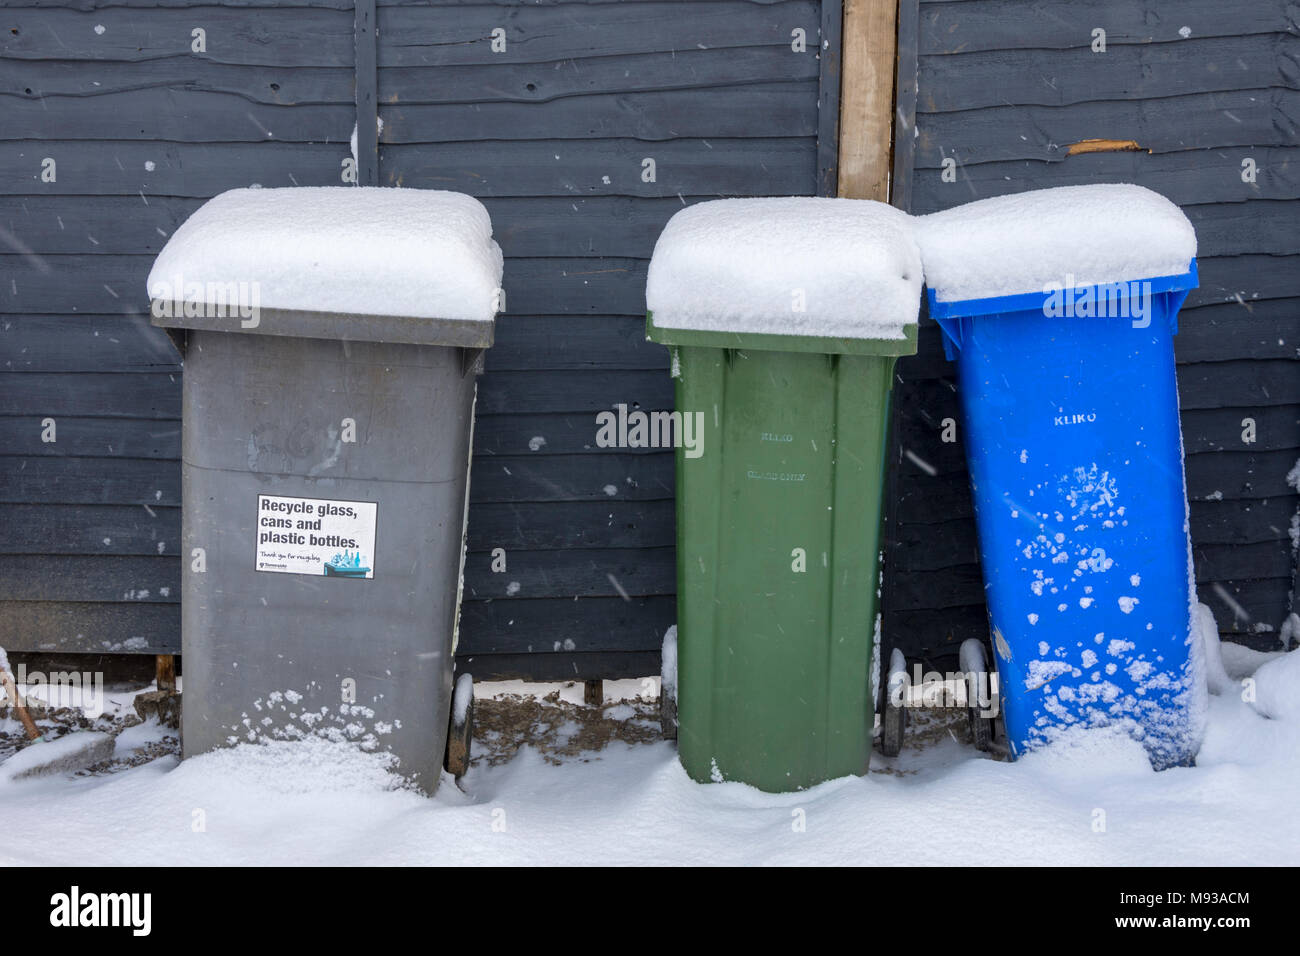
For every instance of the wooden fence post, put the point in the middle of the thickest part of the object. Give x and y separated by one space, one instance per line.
165 670
867 70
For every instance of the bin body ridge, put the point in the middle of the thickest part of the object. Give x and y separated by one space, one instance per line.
271 655
778 523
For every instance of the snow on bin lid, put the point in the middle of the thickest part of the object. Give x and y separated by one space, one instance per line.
339 249
1070 235
837 268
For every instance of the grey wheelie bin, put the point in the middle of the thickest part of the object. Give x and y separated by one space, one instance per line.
333 338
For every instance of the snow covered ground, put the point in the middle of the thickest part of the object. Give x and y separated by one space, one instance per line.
320 803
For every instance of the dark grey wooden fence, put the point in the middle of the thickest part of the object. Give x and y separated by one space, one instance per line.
1207 92
552 133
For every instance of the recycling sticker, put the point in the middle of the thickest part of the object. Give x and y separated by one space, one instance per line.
316 536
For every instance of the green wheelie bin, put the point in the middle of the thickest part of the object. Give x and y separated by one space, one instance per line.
784 318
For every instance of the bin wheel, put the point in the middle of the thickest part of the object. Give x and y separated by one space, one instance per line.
668 686
460 732
668 716
981 730
893 719
975 664
892 726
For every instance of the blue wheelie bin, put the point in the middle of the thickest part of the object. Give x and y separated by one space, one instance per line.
1071 429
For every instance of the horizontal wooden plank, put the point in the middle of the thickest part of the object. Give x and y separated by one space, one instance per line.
92 225
1227 229
336 4
1255 118
90 481
934 635
66 283
1277 427
922 410
592 477
187 4
933 547
1257 607
572 524
90 529
933 499
154 395
572 573
562 168
1239 475
555 625
507 82
91 628
760 109
265 36
1243 384
1242 562
581 4
278 84
546 391
548 342
170 114
714 167
434 36
571 433
1245 279
1196 176
201 170
581 226
611 285
81 578
928 590
184 114
85 343
961 27
596 665
1053 77
1268 329
80 437
1243 522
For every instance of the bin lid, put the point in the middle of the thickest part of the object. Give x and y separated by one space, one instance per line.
357 263
797 274
1010 252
